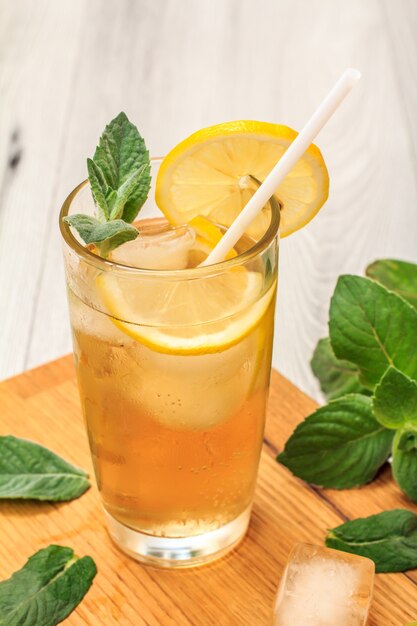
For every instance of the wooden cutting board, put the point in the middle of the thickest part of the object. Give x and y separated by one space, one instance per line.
43 405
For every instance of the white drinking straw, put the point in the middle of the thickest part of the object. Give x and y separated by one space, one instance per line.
290 157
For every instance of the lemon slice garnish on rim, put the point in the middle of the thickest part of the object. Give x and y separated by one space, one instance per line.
187 317
208 174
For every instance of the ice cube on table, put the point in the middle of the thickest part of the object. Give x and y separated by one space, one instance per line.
324 587
159 246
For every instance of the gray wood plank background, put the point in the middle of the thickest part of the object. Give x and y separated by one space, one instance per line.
67 67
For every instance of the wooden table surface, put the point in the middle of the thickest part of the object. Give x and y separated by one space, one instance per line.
68 66
237 590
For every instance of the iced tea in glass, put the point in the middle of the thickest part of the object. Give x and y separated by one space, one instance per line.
173 364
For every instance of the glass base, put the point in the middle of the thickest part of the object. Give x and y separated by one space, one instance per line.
174 552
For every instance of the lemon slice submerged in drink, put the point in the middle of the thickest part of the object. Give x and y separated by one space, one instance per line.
187 317
209 174
182 313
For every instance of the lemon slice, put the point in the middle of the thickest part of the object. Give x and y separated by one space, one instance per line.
177 318
207 236
209 232
209 173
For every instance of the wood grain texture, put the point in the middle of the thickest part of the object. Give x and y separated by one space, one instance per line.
68 67
239 589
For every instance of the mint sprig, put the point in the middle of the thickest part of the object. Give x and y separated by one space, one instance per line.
30 471
46 589
388 538
120 179
371 349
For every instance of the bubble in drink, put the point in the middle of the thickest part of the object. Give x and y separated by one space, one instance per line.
324 587
159 246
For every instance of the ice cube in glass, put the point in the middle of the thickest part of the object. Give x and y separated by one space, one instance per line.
324 587
159 246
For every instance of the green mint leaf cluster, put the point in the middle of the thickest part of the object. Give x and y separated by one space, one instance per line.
120 179
388 538
371 351
28 470
46 589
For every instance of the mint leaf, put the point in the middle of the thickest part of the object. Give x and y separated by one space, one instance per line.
395 400
337 377
46 589
120 179
120 170
105 236
404 462
340 445
28 470
373 328
125 191
100 190
398 276
85 225
388 538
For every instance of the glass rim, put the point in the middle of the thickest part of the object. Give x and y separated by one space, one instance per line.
193 272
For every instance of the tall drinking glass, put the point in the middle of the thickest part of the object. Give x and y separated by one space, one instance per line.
173 369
